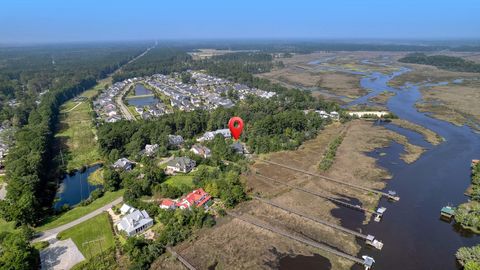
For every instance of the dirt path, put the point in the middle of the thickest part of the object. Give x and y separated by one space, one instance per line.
78 104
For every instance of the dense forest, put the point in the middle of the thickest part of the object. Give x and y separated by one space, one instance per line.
270 125
451 63
31 175
25 72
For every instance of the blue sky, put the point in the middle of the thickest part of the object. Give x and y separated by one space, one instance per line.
104 20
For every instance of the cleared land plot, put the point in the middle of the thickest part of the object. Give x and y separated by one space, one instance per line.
234 244
61 255
76 132
92 236
80 211
178 180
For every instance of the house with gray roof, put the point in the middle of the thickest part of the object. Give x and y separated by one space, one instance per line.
175 140
123 164
135 222
180 164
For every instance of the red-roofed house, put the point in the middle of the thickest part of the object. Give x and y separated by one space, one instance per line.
195 198
168 204
198 197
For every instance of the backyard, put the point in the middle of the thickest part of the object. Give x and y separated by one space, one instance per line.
92 236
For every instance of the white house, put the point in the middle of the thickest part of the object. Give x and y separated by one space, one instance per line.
151 149
209 135
135 222
126 209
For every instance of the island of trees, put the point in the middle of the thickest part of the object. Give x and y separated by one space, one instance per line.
451 63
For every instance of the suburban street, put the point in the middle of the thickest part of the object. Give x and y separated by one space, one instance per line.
52 233
123 108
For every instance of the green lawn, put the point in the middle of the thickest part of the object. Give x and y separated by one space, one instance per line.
6 226
76 132
80 211
177 180
2 179
91 236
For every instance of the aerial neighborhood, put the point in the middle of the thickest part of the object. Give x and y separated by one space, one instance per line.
203 91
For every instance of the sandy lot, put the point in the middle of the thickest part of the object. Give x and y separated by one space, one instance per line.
234 244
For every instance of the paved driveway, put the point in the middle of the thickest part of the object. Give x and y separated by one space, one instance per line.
60 255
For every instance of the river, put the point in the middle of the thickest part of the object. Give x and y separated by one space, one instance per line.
413 234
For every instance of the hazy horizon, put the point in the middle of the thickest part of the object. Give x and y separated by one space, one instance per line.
55 21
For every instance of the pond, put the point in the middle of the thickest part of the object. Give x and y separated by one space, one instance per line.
142 98
75 188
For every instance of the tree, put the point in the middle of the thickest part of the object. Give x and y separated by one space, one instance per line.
111 178
17 253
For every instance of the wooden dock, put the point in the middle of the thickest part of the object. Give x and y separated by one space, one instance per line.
181 259
332 199
337 181
369 239
300 239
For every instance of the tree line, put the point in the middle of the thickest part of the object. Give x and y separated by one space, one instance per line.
451 63
31 172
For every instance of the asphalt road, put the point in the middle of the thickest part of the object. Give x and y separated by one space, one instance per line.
122 106
52 233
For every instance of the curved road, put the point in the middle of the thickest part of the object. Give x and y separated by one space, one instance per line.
52 233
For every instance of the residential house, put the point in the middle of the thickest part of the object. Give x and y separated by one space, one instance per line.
195 198
123 164
180 164
151 149
209 135
201 150
175 140
126 209
168 204
238 148
135 222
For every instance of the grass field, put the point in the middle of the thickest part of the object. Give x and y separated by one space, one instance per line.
6 226
80 211
76 132
92 236
177 180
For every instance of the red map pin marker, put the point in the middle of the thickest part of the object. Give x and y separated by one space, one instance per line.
235 130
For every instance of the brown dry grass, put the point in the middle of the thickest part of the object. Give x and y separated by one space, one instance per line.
428 134
424 73
456 103
234 244
382 98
